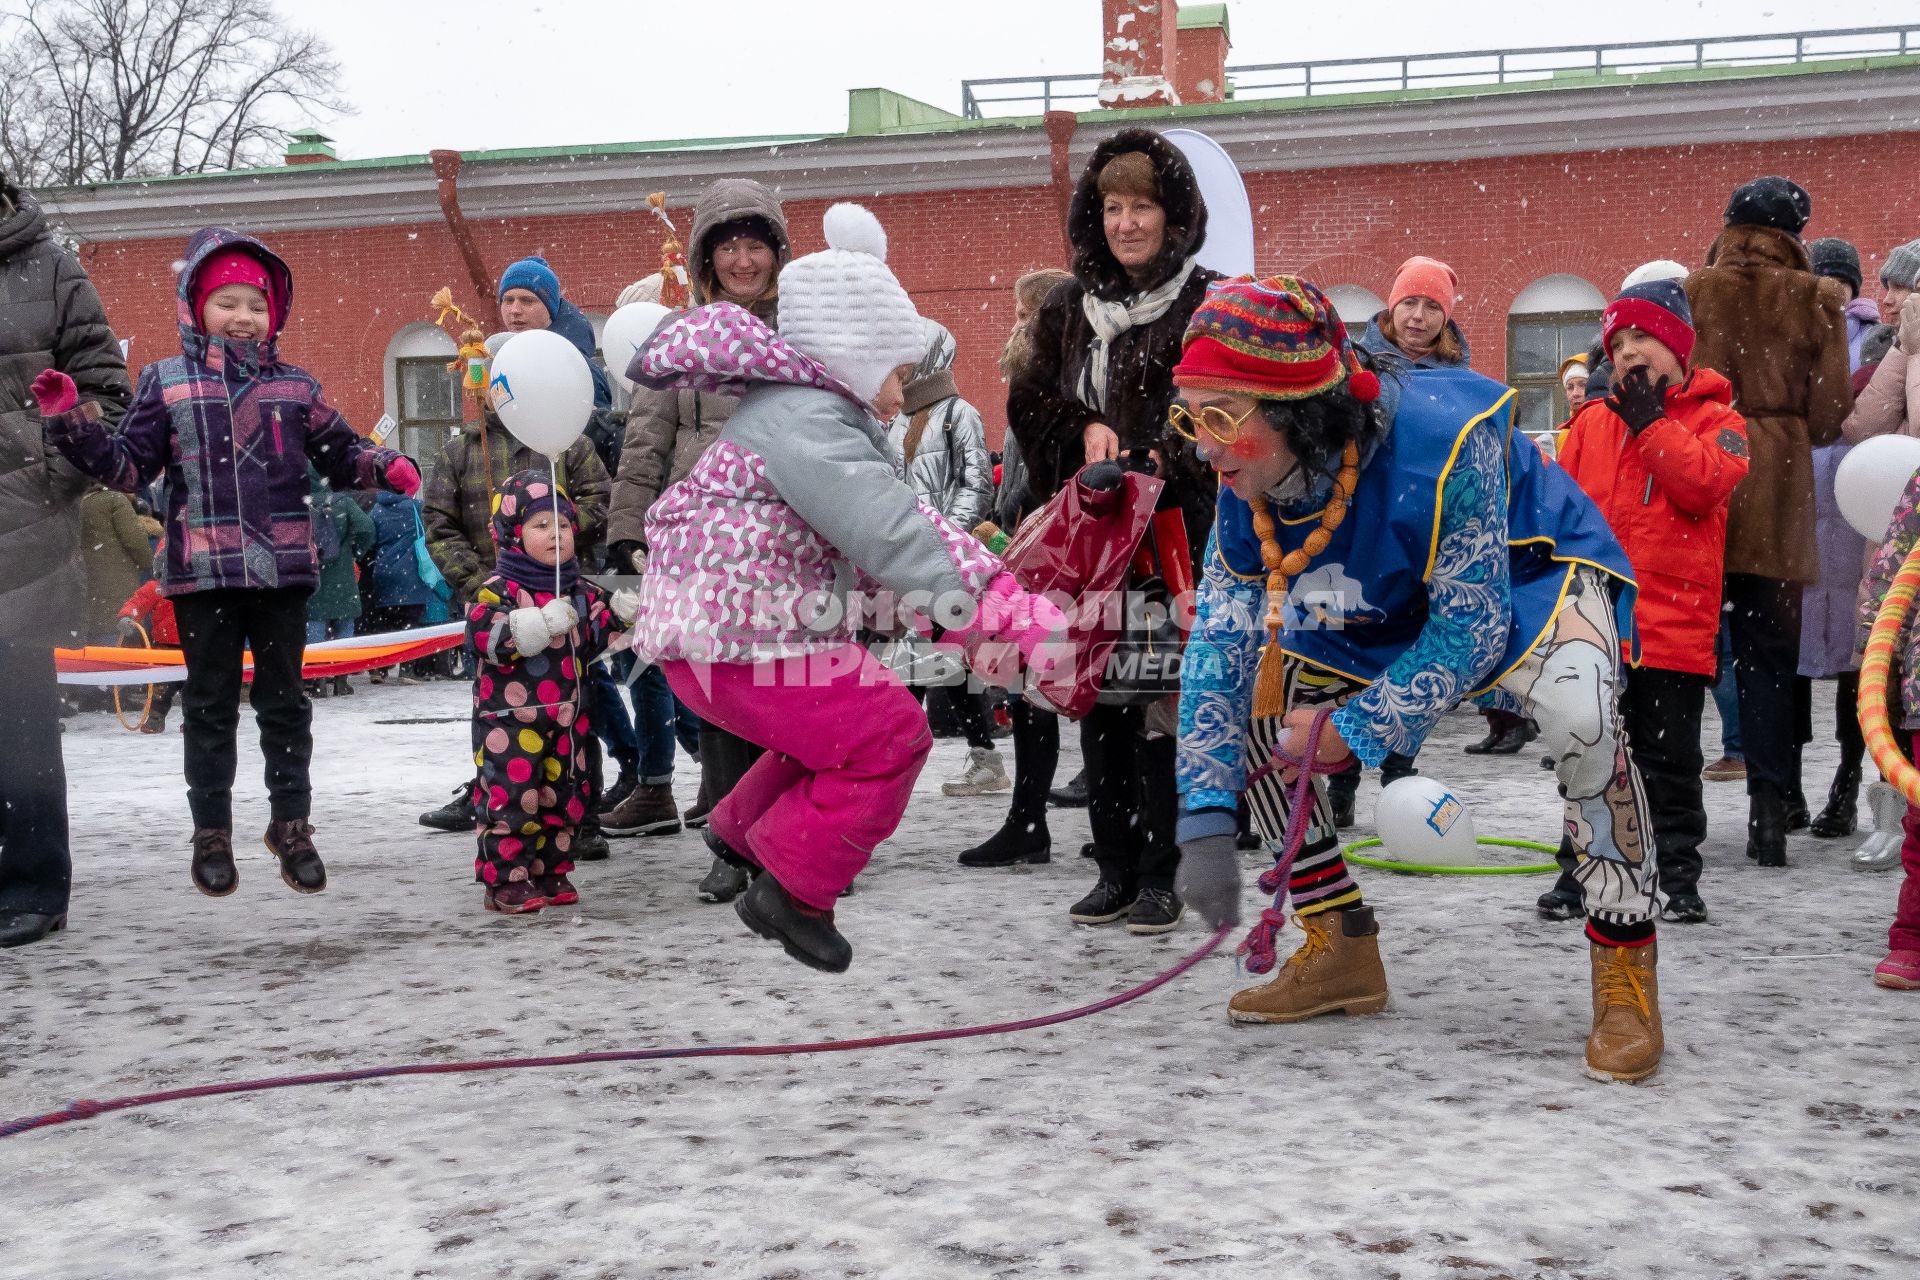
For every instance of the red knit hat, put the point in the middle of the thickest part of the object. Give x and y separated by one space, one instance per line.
223 267
1272 339
1425 278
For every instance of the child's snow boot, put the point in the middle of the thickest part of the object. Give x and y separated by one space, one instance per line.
806 933
1880 851
1336 969
1626 1041
516 898
212 870
300 865
557 890
1900 971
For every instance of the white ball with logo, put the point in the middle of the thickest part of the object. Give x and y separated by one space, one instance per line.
1422 822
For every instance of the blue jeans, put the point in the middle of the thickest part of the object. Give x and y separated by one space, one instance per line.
610 722
329 629
654 724
1726 695
686 727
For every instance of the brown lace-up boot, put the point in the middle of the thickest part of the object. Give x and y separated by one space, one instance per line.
1625 1043
1336 969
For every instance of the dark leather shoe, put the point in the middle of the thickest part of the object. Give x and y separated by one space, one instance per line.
18 928
1071 796
213 871
300 865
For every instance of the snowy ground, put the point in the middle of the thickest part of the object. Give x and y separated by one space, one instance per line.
1454 1136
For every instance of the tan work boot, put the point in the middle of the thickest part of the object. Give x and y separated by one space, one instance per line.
1625 1043
1337 968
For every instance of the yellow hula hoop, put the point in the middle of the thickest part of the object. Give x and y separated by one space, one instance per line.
145 707
1876 668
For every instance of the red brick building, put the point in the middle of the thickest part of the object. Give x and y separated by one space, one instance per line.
1542 192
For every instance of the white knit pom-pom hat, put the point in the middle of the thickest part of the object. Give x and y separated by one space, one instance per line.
845 309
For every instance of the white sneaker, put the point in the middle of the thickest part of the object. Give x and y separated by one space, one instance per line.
985 772
1881 850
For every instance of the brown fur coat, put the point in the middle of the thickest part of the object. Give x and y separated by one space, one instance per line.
1777 333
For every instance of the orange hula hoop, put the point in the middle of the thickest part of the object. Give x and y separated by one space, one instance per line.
145 707
1876 669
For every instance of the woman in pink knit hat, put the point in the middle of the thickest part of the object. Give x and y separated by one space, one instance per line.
1417 327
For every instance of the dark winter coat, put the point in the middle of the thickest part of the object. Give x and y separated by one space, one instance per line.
667 431
397 533
234 428
1778 334
115 548
1044 404
1664 493
337 595
457 505
50 318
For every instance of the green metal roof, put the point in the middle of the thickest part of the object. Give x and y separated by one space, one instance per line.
1194 16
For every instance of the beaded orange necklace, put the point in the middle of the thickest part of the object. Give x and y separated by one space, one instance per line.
1282 566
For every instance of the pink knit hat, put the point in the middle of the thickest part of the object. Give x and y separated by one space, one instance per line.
230 266
1425 278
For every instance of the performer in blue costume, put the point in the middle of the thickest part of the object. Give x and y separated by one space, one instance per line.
1391 545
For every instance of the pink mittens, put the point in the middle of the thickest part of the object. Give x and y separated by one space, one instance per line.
1009 614
404 477
55 392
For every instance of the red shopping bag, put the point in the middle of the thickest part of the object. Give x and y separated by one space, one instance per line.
1079 551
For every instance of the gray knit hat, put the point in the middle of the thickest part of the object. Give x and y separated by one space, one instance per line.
1902 267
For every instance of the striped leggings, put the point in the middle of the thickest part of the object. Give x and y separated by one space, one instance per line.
1569 684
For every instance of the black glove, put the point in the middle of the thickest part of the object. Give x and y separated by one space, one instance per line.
1638 402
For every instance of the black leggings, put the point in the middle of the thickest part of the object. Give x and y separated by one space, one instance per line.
1036 757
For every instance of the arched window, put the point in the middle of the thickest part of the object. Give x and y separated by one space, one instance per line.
1554 317
423 394
1356 306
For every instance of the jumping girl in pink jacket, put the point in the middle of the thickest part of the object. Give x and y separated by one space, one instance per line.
760 560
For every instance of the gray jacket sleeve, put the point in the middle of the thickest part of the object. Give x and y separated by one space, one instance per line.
972 476
837 476
646 461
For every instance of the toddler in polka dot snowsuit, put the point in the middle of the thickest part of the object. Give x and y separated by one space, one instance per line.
530 727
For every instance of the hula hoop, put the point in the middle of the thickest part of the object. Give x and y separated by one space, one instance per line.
1875 669
1416 868
146 706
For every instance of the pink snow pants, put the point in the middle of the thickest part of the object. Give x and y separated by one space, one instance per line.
1905 934
845 742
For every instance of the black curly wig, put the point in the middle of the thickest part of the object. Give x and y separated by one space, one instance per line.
1318 428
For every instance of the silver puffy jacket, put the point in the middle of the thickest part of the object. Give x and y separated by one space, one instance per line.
950 468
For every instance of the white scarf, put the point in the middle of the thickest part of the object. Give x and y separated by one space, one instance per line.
1111 319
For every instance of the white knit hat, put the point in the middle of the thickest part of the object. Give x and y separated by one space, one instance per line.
1658 269
844 308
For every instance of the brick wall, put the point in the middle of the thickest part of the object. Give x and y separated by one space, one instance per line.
1502 222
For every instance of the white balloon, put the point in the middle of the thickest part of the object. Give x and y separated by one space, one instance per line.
1870 480
627 331
543 391
497 341
1228 247
1423 822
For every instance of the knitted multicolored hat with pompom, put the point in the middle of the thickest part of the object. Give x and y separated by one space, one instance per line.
1273 339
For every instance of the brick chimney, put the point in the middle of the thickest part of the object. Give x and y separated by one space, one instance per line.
1139 53
309 146
1200 70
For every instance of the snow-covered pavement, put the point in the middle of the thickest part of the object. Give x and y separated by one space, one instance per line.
1453 1136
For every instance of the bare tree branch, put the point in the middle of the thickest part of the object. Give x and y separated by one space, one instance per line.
96 90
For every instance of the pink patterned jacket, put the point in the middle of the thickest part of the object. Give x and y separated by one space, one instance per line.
793 518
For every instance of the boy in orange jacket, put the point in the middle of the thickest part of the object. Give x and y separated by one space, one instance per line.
1661 455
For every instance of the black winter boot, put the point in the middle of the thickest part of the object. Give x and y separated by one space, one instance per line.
805 933
1341 789
1017 841
300 866
1767 826
1841 817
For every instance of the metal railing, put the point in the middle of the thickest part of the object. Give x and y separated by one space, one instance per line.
1024 95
